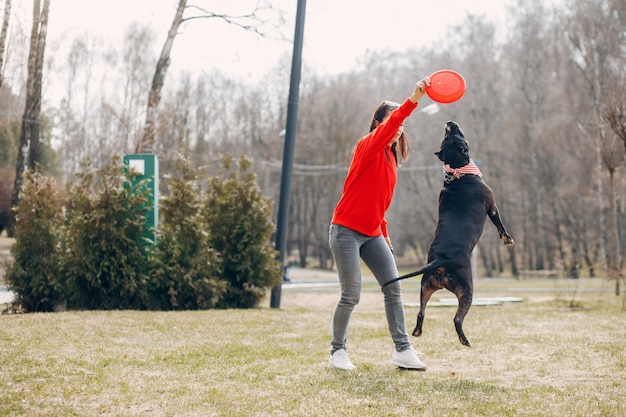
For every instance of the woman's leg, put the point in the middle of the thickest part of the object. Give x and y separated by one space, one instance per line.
344 244
380 261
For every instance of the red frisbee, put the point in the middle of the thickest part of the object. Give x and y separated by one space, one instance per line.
446 86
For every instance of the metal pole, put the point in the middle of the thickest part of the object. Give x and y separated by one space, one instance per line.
288 149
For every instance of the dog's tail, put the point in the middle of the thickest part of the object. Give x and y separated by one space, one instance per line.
432 265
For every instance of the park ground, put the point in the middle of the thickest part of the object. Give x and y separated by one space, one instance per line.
547 347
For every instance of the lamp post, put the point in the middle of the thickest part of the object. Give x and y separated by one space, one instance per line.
288 149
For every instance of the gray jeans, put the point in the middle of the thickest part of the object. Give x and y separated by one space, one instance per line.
347 247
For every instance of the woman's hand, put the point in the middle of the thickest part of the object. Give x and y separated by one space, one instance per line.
420 89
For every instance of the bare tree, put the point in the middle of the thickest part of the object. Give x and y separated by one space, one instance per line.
253 21
332 121
612 154
154 97
475 45
531 57
136 65
102 111
615 115
595 40
28 152
613 157
3 36
77 68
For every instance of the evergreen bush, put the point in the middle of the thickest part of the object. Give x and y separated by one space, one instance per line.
186 272
34 273
239 224
212 250
105 253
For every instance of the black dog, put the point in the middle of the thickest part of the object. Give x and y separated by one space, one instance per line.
464 203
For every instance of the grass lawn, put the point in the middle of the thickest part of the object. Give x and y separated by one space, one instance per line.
560 352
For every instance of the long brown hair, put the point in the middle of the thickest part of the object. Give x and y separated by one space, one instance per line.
402 145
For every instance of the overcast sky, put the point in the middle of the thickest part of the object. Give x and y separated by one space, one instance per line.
336 31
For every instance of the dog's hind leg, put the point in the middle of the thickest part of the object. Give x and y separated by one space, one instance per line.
426 292
464 295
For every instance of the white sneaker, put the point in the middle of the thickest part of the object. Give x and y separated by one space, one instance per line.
340 360
407 359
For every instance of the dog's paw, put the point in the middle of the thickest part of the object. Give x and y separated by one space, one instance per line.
507 239
417 332
466 342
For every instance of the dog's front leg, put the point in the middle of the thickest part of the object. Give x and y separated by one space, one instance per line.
494 216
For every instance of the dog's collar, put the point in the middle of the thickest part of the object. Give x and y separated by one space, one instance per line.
450 174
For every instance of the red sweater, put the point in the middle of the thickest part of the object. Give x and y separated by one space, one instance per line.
371 180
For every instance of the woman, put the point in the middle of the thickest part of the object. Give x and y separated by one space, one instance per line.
359 229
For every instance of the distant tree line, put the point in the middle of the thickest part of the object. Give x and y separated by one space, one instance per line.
543 113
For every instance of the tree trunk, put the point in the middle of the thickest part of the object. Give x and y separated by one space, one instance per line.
615 115
28 152
3 36
484 255
513 259
614 244
154 97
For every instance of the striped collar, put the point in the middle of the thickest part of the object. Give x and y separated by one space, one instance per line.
450 174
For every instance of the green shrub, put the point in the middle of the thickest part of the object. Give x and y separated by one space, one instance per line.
34 272
105 258
185 268
239 225
212 250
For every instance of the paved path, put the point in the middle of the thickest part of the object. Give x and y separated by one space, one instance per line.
6 296
316 279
